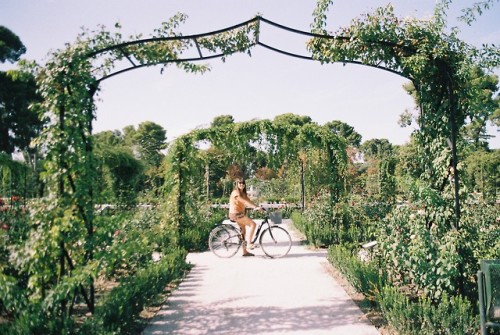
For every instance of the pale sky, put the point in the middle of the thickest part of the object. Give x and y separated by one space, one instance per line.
262 86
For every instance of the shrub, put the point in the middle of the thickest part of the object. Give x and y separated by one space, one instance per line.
423 253
345 222
34 318
450 315
127 241
363 276
119 310
201 220
318 225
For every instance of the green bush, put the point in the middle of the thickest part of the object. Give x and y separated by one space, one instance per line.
450 315
119 310
34 318
363 276
447 315
124 243
422 252
345 222
317 222
201 220
127 240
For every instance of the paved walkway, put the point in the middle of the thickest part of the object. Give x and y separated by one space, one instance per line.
256 295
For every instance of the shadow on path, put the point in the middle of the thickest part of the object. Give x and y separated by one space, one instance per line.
258 295
217 319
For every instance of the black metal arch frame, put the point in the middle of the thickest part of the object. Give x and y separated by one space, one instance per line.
134 64
259 20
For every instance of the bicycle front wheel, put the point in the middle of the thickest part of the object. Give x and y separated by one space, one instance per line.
224 241
275 242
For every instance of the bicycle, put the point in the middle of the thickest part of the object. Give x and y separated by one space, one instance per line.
226 239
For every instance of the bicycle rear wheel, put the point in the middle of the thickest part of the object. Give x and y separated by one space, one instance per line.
275 242
224 241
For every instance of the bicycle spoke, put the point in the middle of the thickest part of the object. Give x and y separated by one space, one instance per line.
275 242
224 241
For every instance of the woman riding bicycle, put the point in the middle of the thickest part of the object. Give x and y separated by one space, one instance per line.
238 202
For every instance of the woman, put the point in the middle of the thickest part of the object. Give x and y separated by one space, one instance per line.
238 202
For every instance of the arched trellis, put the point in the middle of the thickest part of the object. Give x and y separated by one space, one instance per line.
278 144
204 51
70 81
122 50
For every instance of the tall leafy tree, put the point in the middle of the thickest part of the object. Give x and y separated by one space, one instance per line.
222 120
379 155
377 148
495 117
151 138
346 131
483 173
11 47
109 137
482 108
18 124
129 136
292 119
122 174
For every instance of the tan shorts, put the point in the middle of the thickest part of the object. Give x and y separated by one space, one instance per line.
234 216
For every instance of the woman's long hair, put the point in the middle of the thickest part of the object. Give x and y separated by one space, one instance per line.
243 192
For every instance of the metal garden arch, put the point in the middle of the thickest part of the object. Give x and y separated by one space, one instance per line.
100 65
193 41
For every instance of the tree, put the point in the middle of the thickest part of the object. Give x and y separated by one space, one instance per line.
18 124
11 47
222 120
482 108
483 173
121 175
377 148
495 117
151 139
379 153
346 131
409 166
144 145
292 119
108 137
353 139
129 136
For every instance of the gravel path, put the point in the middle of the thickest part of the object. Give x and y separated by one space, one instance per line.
257 295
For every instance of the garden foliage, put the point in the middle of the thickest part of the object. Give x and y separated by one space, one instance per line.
58 250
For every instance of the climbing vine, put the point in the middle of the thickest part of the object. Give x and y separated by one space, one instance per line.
440 67
57 256
436 63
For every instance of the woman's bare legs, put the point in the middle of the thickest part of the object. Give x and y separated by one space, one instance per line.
244 222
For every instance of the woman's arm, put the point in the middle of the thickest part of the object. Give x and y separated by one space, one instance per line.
249 203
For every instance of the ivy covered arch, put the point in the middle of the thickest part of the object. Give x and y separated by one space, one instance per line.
437 65
277 144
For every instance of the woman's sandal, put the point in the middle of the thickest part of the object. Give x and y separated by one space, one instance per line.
248 254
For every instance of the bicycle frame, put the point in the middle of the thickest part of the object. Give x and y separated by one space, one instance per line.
259 229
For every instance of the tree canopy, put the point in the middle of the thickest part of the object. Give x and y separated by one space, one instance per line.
18 123
11 47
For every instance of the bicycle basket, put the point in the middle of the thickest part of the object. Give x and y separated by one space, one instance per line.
276 217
